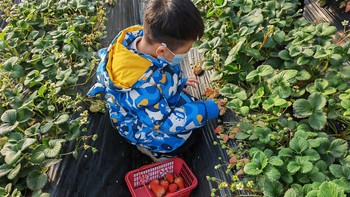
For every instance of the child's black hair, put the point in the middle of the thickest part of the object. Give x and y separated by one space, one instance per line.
172 22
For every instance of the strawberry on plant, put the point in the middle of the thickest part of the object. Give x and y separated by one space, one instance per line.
219 129
232 136
233 159
236 130
208 92
244 160
165 184
197 69
240 172
173 188
180 182
224 137
214 95
158 190
169 177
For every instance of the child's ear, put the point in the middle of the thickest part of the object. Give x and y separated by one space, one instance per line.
160 51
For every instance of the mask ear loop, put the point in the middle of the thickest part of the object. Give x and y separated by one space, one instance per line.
163 44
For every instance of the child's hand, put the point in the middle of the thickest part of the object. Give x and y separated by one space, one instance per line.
192 81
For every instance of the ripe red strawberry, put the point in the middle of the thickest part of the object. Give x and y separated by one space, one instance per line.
169 177
165 184
173 188
180 182
233 159
208 92
158 190
219 129
224 137
153 182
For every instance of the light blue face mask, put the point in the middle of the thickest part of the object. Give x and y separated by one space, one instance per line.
177 57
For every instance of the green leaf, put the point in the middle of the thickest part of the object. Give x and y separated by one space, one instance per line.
253 18
9 116
345 72
272 172
12 157
308 52
54 148
306 166
318 120
284 54
233 91
321 86
48 61
241 136
279 36
313 154
5 169
244 110
74 131
303 60
254 53
336 170
299 144
233 52
38 154
25 143
293 167
272 188
316 176
285 152
276 161
338 148
295 50
260 159
252 169
328 189
336 59
36 180
329 30
246 126
62 119
320 53
216 76
46 127
291 193
14 172
317 101
7 127
235 104
302 108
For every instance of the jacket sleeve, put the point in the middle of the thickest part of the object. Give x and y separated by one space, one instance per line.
157 104
161 117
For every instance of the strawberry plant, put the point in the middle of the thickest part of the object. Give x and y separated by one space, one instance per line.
287 79
47 53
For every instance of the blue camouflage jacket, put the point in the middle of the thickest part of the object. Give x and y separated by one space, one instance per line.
144 94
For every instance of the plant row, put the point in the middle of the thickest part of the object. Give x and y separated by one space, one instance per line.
288 81
47 52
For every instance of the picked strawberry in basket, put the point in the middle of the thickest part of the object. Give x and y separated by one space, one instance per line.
170 184
170 178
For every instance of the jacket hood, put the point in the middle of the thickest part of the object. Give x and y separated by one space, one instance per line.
126 67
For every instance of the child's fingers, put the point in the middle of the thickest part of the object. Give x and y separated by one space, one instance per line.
193 79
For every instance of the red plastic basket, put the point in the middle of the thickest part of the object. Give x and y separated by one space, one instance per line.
138 179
